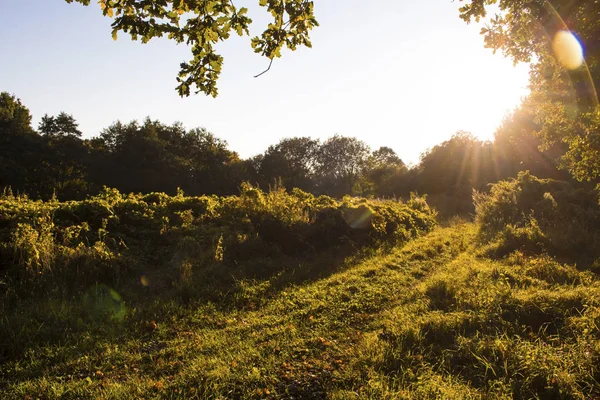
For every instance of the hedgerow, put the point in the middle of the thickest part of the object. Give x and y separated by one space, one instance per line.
112 237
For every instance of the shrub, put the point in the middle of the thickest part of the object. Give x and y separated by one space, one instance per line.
112 238
537 215
33 248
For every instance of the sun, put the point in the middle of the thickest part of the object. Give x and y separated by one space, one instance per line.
493 94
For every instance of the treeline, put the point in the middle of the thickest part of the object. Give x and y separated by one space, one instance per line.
54 160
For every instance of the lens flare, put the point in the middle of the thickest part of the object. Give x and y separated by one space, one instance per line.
101 301
144 280
359 217
568 50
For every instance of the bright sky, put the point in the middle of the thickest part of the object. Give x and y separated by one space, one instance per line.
397 73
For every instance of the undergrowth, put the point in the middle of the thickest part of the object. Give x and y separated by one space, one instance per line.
435 317
540 216
53 254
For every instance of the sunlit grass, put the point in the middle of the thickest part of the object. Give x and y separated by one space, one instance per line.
434 319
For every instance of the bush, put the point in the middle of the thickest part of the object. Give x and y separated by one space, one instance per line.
111 237
536 215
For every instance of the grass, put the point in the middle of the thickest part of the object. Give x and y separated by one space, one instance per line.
435 318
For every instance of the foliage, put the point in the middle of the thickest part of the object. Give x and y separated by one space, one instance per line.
517 147
581 134
20 147
384 170
337 167
534 214
450 171
110 237
340 162
154 157
14 116
204 24
458 162
292 160
564 100
61 125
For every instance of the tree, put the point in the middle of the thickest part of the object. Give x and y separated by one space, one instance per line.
15 118
385 156
456 165
40 166
562 92
213 168
517 148
293 161
204 23
153 157
21 148
385 172
65 158
61 125
340 162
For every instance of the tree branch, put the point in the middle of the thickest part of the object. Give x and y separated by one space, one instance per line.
266 70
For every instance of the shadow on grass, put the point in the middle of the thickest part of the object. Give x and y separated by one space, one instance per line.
59 327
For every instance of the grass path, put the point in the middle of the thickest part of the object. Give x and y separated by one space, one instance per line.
421 322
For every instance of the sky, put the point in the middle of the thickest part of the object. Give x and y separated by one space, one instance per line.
397 73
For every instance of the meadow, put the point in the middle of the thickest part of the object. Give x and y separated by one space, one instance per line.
148 260
291 296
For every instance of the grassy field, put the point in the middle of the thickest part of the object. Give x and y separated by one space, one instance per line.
434 318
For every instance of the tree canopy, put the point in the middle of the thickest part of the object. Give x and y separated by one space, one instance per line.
61 125
58 160
560 119
563 93
202 24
